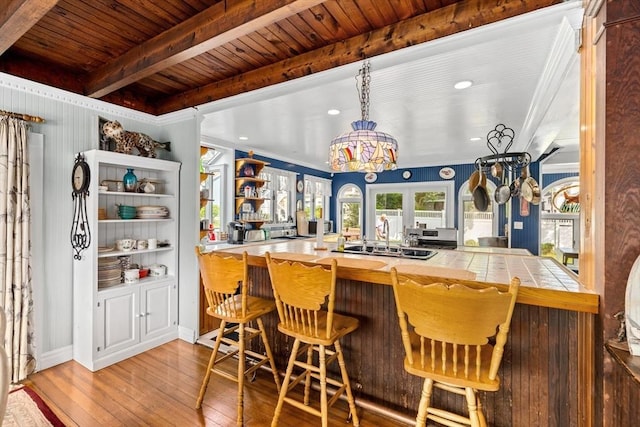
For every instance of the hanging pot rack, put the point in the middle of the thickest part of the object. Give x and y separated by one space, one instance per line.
498 138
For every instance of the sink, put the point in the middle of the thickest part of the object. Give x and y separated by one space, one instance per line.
408 252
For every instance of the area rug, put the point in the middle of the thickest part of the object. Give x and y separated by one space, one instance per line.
26 408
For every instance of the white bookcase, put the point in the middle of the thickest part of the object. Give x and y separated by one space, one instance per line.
119 321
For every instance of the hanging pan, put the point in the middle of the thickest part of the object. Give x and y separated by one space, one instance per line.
474 179
530 189
503 192
480 195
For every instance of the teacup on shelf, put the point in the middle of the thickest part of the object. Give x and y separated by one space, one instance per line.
125 245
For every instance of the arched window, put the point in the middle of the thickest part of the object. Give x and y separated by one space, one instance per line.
560 217
349 213
472 223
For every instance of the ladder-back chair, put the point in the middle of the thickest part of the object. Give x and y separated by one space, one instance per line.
226 285
448 334
305 297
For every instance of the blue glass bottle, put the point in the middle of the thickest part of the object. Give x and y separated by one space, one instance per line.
129 180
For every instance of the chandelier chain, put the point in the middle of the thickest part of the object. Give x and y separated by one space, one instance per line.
363 92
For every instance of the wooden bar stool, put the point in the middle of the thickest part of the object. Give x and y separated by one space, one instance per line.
445 333
301 292
221 278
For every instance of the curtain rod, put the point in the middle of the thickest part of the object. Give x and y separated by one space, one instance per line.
25 117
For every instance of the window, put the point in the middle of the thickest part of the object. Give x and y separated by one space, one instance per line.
473 223
560 217
350 211
423 204
278 191
317 193
212 184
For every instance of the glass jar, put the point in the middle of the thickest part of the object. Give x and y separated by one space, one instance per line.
129 180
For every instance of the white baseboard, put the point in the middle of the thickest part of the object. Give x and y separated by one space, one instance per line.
54 357
187 334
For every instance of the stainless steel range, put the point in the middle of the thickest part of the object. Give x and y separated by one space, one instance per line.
433 238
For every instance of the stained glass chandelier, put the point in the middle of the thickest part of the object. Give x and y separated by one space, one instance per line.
363 149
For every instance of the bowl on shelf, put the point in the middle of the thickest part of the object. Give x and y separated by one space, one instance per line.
127 212
144 272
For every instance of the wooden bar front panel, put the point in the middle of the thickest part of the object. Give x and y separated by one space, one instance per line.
539 369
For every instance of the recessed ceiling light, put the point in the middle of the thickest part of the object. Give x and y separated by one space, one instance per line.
243 138
333 112
463 84
475 138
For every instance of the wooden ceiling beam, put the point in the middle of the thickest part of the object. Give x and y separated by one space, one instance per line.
207 30
423 28
18 16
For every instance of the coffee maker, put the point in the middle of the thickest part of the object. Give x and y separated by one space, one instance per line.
236 232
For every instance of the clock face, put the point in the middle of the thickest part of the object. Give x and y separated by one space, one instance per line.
80 177
406 174
300 186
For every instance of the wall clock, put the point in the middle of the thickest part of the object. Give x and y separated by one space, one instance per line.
300 186
80 180
406 174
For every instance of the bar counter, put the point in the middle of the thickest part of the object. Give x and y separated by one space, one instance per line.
539 372
545 282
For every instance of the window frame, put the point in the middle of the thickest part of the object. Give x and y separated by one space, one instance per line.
342 199
275 173
408 191
465 195
311 182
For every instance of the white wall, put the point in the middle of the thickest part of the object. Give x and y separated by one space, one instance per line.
182 136
71 127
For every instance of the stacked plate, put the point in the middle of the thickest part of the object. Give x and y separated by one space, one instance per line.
152 212
109 272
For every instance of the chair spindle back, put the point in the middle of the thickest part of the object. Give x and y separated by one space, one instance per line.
301 292
221 277
451 325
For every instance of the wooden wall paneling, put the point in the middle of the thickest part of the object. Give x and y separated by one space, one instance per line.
539 371
619 88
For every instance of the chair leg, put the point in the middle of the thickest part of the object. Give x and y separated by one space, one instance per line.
285 383
483 420
425 402
307 380
322 364
212 359
473 408
345 380
267 348
241 369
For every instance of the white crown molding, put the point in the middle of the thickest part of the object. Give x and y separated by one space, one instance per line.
101 107
222 143
560 168
562 56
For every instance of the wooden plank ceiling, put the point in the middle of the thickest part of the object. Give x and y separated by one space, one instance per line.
165 55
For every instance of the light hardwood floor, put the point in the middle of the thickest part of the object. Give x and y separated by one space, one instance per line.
159 388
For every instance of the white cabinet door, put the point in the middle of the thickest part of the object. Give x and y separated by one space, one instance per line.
117 321
157 314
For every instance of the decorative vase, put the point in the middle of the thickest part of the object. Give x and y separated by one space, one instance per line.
129 180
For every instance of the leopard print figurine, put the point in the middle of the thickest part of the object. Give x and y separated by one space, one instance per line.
126 141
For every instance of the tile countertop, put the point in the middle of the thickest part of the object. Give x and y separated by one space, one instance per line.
544 281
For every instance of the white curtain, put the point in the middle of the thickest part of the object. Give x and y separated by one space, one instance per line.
15 271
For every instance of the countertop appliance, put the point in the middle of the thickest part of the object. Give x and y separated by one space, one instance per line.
236 232
434 238
254 235
313 225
